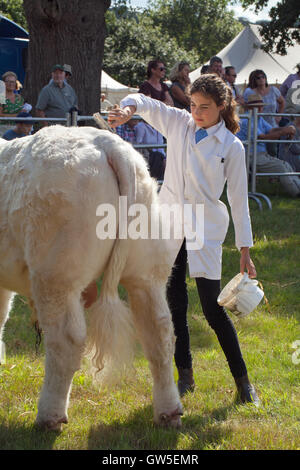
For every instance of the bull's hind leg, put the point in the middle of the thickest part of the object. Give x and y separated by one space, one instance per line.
155 329
61 318
5 297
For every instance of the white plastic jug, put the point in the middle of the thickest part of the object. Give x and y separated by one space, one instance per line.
241 295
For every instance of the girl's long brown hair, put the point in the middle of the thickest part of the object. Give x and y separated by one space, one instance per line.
213 86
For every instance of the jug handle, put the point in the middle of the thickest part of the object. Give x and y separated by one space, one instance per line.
242 282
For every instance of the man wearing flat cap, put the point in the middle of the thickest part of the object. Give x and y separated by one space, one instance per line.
266 163
56 98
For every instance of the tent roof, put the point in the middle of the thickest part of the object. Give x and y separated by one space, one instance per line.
109 83
244 53
9 29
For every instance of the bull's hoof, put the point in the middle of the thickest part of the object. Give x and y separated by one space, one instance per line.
171 420
51 424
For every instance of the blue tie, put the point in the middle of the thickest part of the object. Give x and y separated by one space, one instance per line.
200 134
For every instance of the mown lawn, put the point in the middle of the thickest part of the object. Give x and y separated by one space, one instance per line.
121 418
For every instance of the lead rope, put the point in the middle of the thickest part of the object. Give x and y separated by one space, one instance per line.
38 337
265 298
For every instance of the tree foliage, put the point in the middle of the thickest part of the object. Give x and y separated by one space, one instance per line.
13 9
204 26
132 41
173 30
284 28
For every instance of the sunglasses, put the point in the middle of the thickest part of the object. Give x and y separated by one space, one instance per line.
260 76
161 69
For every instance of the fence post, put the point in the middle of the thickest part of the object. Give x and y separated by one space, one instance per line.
253 180
68 117
74 118
248 153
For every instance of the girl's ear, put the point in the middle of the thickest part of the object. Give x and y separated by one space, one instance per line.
222 106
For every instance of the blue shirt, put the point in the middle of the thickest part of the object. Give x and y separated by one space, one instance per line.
11 134
263 127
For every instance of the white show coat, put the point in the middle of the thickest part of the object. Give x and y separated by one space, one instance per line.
196 174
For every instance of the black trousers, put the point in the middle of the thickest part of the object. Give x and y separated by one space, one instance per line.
216 316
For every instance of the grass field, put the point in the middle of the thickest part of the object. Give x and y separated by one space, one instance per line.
121 418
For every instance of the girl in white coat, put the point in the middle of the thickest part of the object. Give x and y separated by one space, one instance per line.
203 153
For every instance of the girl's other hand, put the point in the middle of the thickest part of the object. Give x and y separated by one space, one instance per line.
247 263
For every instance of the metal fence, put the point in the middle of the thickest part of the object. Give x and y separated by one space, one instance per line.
73 119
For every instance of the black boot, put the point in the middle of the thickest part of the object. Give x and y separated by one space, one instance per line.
186 381
246 391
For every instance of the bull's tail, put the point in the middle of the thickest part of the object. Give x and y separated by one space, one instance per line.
111 336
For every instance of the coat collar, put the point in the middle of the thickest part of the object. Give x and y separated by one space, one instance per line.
219 130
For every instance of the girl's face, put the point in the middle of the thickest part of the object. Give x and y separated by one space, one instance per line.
204 110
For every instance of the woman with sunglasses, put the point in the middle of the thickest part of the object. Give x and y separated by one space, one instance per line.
154 85
274 101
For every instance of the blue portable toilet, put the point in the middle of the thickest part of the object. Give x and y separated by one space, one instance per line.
13 48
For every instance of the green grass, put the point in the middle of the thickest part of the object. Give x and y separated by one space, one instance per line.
121 417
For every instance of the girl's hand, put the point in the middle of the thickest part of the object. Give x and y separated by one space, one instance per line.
118 116
247 263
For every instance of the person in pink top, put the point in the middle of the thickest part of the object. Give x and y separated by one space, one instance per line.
154 85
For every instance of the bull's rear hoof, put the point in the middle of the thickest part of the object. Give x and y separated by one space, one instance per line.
51 424
171 420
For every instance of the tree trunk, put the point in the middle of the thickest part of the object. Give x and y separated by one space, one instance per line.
66 32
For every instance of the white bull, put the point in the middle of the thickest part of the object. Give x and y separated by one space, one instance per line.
51 184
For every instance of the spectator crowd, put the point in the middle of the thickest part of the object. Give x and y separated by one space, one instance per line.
58 97
271 157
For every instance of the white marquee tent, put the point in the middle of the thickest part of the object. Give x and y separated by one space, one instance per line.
244 53
114 90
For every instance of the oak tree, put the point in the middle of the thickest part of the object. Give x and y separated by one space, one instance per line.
66 32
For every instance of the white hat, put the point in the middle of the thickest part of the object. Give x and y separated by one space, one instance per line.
68 68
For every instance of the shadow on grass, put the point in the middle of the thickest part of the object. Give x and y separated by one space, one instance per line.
17 436
139 432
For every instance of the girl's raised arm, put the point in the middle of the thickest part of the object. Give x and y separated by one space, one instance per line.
156 113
